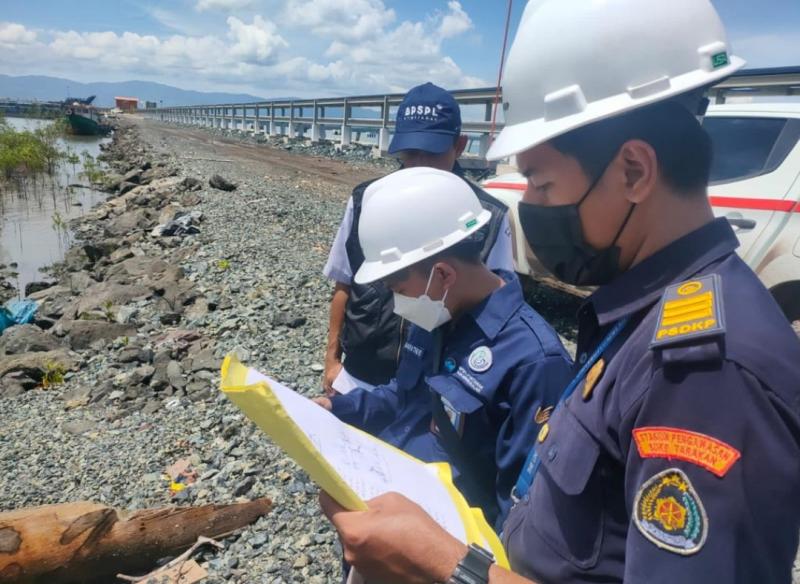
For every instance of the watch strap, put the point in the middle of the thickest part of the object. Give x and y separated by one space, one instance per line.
473 567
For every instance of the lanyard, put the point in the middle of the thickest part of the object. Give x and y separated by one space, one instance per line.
533 460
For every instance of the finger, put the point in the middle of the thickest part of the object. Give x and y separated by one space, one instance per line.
329 391
390 499
330 507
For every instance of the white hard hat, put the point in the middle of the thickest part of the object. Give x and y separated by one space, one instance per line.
411 215
580 61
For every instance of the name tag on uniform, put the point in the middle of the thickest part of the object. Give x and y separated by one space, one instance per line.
414 350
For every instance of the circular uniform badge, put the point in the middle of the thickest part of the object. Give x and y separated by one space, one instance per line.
480 359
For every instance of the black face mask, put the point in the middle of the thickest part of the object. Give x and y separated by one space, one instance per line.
556 237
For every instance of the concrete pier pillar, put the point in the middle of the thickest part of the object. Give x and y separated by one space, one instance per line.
273 128
291 131
483 145
347 135
383 140
316 132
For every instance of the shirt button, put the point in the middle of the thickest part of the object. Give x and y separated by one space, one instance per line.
407 429
583 357
551 453
543 432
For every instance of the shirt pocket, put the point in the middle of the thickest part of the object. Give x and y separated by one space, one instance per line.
566 500
459 402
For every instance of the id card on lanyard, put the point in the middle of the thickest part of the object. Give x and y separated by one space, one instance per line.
533 461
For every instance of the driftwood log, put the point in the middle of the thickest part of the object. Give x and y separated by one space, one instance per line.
89 542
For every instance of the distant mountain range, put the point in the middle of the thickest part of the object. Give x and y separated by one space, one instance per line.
43 88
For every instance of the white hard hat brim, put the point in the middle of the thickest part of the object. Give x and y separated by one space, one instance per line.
520 137
372 271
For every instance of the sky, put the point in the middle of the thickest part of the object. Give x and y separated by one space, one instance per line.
308 48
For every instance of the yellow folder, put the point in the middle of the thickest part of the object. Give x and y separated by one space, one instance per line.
358 463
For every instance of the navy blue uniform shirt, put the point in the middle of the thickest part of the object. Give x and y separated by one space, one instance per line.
501 367
678 460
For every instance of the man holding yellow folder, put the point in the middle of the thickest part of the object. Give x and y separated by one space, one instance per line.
480 370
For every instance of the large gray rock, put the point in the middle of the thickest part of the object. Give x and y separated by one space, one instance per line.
111 181
120 255
78 282
132 176
53 301
204 360
129 222
176 294
155 173
221 183
27 338
175 375
105 294
127 187
139 268
11 387
36 365
76 259
33 287
82 333
192 184
168 213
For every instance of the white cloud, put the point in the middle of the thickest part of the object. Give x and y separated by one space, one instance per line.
222 5
339 47
339 19
455 22
12 33
406 55
257 42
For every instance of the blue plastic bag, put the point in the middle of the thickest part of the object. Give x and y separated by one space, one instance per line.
17 312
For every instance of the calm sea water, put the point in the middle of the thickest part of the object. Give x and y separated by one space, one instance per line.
29 235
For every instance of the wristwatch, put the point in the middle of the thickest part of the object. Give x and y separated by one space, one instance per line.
473 568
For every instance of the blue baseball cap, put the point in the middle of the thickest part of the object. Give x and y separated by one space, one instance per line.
428 119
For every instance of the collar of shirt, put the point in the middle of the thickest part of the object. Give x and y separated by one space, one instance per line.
643 284
493 312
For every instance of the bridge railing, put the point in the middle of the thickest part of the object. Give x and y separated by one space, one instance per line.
369 119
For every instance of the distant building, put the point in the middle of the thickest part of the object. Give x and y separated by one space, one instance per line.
150 105
126 104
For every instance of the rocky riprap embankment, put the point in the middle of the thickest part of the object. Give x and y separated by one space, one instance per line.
330 149
129 338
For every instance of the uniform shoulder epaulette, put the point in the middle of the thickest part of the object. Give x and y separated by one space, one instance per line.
688 311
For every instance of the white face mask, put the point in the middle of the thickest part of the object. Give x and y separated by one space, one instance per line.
422 311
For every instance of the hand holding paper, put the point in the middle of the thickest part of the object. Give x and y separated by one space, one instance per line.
348 464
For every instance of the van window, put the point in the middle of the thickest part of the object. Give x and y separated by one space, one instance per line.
746 147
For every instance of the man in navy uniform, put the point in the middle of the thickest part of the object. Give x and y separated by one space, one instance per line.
480 369
674 453
365 336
